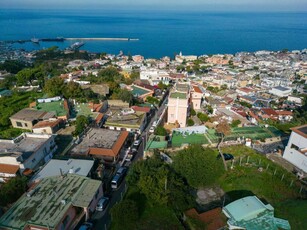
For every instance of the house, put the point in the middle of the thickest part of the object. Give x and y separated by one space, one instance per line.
178 104
8 171
280 91
27 118
47 127
296 149
27 150
57 202
196 97
268 113
180 58
154 76
284 115
251 214
102 144
58 167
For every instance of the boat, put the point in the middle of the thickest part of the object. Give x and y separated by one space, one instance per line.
76 45
35 40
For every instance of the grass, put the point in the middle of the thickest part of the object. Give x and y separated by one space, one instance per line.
151 216
247 180
55 106
179 139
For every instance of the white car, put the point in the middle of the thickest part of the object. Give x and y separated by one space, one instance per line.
152 129
136 143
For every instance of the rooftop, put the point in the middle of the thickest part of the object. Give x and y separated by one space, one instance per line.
28 115
301 130
50 200
23 145
101 141
10 169
130 120
178 95
281 88
182 87
54 168
139 91
57 107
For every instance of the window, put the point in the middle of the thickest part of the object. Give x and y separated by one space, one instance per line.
19 124
172 116
33 160
293 146
26 125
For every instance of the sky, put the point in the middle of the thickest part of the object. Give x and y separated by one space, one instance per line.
245 5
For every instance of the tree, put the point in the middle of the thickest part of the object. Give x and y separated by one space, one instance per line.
193 113
190 122
81 123
125 214
73 90
223 129
125 95
12 66
162 86
160 131
235 123
198 165
152 100
12 190
203 117
54 87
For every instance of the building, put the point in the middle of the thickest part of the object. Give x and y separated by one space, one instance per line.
296 149
47 127
196 97
58 167
57 203
154 76
140 92
103 144
8 171
251 214
27 118
181 58
281 91
178 104
57 105
27 150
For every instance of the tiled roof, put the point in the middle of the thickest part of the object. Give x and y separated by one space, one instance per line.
10 169
141 109
51 124
197 89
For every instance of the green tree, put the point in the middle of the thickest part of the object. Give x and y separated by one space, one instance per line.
199 166
125 215
162 86
160 131
190 122
73 90
12 190
223 129
203 117
12 66
125 95
81 123
54 87
235 123
193 113
152 100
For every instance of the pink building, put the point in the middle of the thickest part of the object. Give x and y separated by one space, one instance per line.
178 104
196 97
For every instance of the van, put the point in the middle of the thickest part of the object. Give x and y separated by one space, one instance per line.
116 181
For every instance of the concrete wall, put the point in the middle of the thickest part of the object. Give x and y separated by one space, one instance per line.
25 124
44 130
294 156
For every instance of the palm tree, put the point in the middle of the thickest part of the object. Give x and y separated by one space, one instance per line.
223 129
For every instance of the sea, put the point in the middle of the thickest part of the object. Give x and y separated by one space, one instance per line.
160 32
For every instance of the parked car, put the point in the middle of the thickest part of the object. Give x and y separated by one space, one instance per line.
102 203
131 154
136 143
152 129
86 226
121 171
227 156
116 181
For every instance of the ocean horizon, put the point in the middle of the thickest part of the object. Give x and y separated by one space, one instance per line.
160 33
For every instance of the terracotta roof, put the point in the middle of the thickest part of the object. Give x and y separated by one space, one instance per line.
301 130
141 109
65 104
284 112
99 117
51 124
269 111
115 148
10 169
197 89
214 219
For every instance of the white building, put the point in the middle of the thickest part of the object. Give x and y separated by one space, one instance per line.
281 91
27 150
154 76
296 150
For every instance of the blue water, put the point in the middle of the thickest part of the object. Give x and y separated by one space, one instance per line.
160 32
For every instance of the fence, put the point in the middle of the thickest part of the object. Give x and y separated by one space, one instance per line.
264 165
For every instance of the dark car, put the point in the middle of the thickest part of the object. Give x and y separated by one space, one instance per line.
227 156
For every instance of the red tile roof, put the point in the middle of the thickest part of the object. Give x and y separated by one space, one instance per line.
99 117
43 124
9 169
284 112
141 109
269 111
197 89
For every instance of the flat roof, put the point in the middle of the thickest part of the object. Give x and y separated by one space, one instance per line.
25 144
281 88
28 114
51 199
245 208
130 120
178 95
57 107
54 168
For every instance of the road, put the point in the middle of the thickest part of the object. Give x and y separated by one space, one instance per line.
102 220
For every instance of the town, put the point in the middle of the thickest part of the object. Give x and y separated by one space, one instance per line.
104 141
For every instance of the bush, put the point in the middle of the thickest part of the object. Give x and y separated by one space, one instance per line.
190 122
193 113
160 131
203 117
125 214
12 190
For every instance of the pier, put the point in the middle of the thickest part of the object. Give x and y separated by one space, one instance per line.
72 39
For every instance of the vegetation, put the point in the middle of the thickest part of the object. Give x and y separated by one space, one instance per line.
199 166
203 117
81 123
12 66
11 133
152 100
192 112
12 190
190 122
235 123
160 131
125 214
223 129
